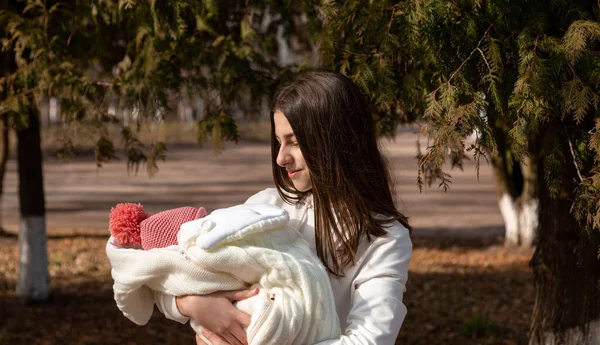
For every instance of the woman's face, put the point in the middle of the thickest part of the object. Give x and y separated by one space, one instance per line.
290 157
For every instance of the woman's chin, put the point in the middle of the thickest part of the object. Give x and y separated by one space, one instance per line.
302 187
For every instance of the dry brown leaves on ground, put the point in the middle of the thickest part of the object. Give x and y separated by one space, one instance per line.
459 292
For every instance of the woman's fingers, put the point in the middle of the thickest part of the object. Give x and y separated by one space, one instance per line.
216 312
231 339
243 318
240 335
199 340
217 340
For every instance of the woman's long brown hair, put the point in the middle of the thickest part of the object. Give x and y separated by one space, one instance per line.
351 181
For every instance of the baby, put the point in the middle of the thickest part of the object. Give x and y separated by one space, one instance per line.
185 251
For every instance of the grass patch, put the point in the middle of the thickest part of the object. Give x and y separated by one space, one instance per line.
480 327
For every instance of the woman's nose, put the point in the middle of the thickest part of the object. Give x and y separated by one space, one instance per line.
283 157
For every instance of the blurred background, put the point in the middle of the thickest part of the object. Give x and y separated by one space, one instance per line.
487 112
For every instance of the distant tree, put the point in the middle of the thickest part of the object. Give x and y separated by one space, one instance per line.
525 76
145 53
34 283
7 66
4 155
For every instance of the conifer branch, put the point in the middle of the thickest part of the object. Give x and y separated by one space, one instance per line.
468 57
73 32
533 60
104 83
46 19
389 26
361 54
573 71
574 158
484 59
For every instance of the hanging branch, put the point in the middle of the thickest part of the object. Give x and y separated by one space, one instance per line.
574 157
484 59
468 57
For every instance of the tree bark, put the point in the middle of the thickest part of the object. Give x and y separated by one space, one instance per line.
4 149
34 281
565 264
8 66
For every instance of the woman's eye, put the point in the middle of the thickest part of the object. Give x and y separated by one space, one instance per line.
294 144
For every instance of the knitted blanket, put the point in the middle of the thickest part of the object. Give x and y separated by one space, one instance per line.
231 249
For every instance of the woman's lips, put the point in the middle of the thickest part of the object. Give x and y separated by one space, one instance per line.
293 173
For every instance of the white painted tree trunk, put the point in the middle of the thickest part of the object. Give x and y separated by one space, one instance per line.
573 336
510 214
528 222
520 220
34 281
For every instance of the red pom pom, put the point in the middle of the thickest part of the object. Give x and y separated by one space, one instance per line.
125 222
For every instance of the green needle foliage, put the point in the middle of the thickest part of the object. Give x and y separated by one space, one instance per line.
461 66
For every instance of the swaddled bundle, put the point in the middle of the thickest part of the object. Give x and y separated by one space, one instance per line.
232 249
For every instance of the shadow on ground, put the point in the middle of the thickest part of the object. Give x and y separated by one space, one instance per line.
459 292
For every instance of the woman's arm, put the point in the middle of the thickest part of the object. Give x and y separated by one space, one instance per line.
167 304
215 312
377 311
172 306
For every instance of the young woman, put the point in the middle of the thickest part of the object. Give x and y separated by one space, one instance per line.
332 179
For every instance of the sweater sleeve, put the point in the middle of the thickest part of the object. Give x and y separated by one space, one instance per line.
377 310
167 305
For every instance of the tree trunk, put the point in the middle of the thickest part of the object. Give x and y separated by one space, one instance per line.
34 281
529 203
516 190
565 264
8 66
506 201
4 149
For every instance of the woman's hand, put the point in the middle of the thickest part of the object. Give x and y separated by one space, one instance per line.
210 336
199 340
217 314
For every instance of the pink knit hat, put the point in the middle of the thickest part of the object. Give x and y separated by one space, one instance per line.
131 226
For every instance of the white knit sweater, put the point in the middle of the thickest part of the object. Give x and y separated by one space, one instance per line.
233 249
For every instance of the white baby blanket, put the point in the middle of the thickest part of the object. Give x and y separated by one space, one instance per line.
232 249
